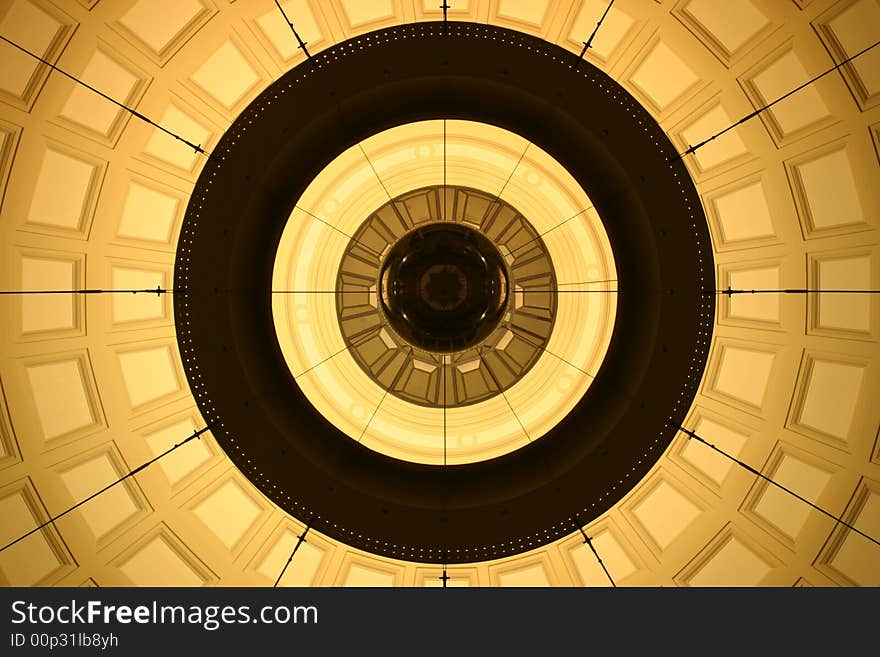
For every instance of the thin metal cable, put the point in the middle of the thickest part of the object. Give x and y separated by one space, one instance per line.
143 466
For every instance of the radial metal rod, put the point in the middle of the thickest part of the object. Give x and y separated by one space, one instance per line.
596 554
385 394
300 540
589 42
751 115
730 292
501 390
51 520
368 334
558 291
302 44
838 519
557 356
158 291
549 230
196 147
339 230
444 577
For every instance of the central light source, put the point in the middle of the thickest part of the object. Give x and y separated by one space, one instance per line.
395 384
443 287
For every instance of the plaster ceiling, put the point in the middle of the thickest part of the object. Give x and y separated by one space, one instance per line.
93 385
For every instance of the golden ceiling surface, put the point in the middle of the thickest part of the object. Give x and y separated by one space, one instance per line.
408 158
93 198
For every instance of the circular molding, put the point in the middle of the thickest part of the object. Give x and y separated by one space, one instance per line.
527 311
443 288
653 216
347 190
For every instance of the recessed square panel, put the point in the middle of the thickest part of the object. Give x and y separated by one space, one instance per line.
111 508
732 563
743 213
842 312
707 460
663 76
756 306
33 28
142 306
777 78
855 557
532 12
49 312
827 190
852 30
277 31
615 558
86 108
184 460
830 393
360 13
149 374
364 574
614 29
63 190
730 24
227 75
61 396
161 562
162 24
148 214
229 512
168 149
743 374
724 149
785 512
304 567
531 574
33 559
665 512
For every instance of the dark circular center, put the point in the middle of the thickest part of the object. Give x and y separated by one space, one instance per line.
443 287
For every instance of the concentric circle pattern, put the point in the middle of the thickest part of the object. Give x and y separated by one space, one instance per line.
282 439
91 386
508 325
349 392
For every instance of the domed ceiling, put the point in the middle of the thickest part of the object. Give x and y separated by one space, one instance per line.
96 384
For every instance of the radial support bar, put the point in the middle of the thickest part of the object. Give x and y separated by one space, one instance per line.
730 292
302 44
196 147
51 520
589 42
596 554
299 541
158 291
693 149
778 485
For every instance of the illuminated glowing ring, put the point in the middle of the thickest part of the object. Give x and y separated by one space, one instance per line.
610 145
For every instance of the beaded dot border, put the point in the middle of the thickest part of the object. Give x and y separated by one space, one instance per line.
335 56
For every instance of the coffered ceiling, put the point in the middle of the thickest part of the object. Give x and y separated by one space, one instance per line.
93 386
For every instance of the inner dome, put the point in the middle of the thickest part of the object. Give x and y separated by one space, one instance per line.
326 306
443 287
